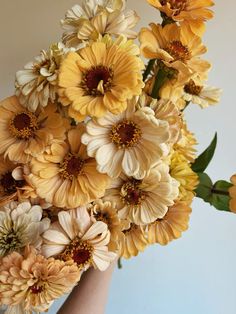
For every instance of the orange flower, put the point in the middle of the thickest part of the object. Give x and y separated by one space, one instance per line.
232 193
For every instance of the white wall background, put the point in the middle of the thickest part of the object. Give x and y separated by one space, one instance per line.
196 274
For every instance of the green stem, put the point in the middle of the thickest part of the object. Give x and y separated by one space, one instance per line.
159 81
119 263
166 20
148 69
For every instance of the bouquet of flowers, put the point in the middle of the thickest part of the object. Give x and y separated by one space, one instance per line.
96 158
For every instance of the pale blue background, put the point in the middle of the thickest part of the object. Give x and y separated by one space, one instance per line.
196 274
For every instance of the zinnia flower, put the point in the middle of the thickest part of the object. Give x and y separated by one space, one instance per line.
232 194
31 281
171 226
65 176
100 78
75 237
21 225
118 142
36 85
144 201
190 12
176 47
92 18
24 134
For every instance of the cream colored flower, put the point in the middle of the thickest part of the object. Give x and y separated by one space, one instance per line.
32 282
24 134
176 47
36 85
94 18
75 237
144 201
199 94
100 78
171 226
131 142
133 241
65 176
21 225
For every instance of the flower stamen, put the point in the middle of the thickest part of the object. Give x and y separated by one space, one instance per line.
23 125
192 89
178 51
176 5
71 167
131 194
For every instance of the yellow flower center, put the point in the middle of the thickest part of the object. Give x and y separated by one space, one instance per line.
178 51
9 184
176 5
23 125
192 89
131 194
71 167
80 252
9 241
125 134
97 80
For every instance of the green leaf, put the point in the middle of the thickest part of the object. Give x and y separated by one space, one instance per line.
204 189
220 195
204 159
159 81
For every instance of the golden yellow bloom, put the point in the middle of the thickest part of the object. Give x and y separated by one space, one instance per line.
32 280
182 172
171 226
193 12
133 241
24 134
232 193
176 47
76 237
65 176
100 78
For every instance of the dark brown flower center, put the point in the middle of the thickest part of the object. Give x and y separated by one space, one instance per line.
23 125
176 5
131 193
192 89
9 184
72 166
97 80
36 289
125 134
178 51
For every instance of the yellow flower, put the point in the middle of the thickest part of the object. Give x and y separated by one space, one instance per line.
76 237
133 241
100 78
232 193
191 12
24 134
65 176
32 281
176 47
171 226
182 172
95 18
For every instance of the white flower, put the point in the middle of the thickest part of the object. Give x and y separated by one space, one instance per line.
131 142
98 17
75 237
36 85
21 224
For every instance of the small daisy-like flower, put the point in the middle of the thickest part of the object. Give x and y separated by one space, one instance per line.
100 78
107 212
192 12
232 194
65 176
201 95
75 237
171 226
24 134
36 85
176 47
95 18
133 241
118 142
21 225
144 201
180 169
32 282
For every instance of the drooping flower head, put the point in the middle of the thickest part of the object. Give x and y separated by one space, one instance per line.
75 237
100 78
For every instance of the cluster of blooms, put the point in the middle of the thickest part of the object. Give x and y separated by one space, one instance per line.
95 152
